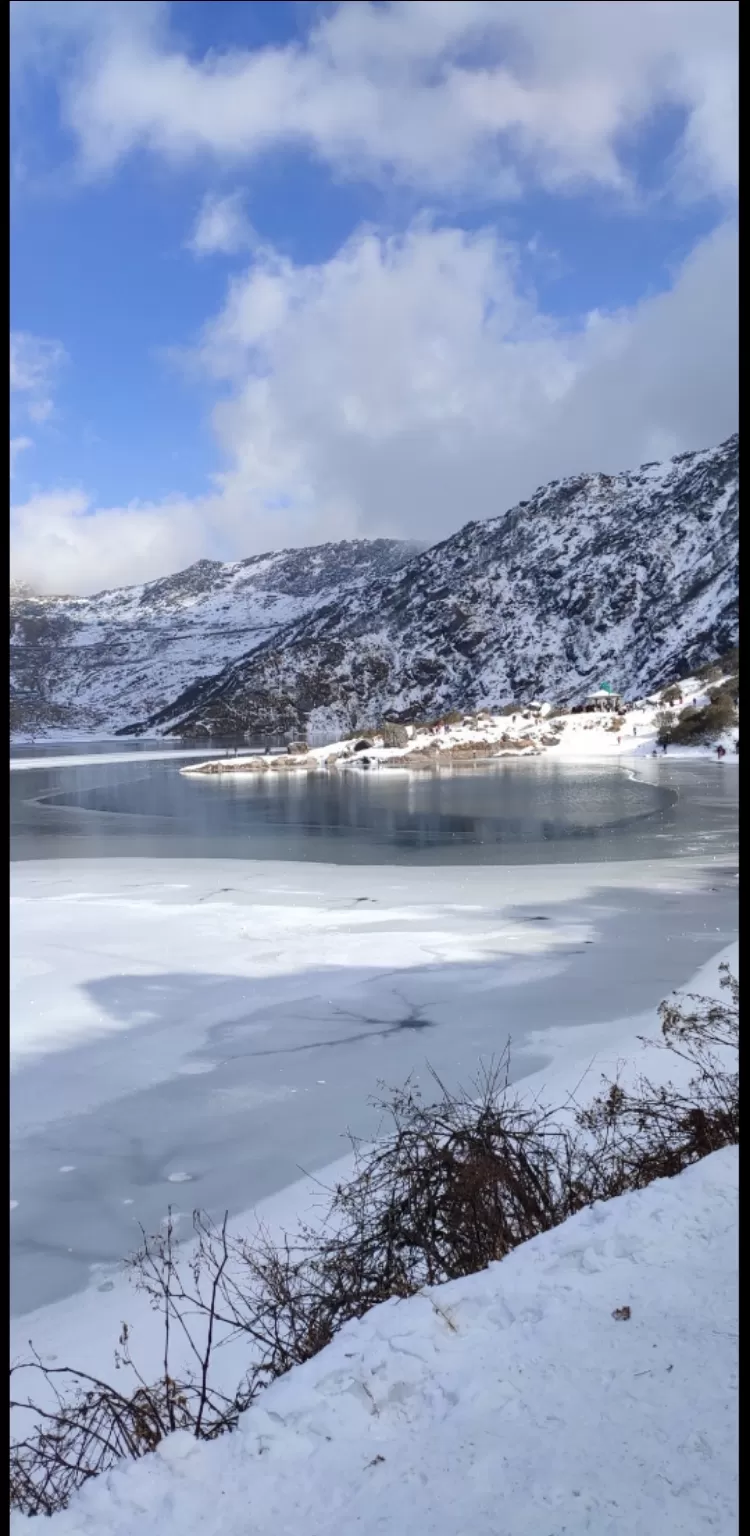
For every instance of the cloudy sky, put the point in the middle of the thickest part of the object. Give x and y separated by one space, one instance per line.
284 273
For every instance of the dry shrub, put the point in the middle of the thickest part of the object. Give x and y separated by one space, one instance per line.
695 725
730 660
729 688
650 1132
456 1183
665 722
451 717
710 672
85 1425
393 734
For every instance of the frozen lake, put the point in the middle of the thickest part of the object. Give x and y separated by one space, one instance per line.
209 980
530 811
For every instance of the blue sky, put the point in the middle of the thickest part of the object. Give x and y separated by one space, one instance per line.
282 273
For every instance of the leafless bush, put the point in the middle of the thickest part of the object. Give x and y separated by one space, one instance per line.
81 1426
457 1181
665 722
651 1132
454 1184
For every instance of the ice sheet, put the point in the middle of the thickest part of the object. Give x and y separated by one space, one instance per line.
200 1032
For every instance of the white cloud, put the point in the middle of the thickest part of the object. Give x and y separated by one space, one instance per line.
61 543
409 385
222 227
44 32
441 94
410 382
34 364
18 445
404 387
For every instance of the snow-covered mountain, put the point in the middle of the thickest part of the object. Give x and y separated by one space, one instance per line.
629 577
96 664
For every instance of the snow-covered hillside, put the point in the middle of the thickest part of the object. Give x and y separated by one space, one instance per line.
630 577
91 665
586 1383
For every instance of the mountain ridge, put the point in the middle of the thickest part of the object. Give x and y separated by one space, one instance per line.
98 663
633 574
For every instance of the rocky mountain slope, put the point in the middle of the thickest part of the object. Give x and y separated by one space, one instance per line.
96 664
629 577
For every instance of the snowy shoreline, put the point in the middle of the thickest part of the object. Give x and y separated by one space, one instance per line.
587 1383
616 1426
85 1325
472 741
